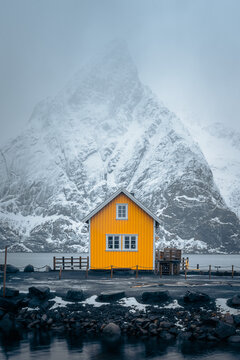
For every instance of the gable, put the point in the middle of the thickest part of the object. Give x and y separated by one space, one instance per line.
115 195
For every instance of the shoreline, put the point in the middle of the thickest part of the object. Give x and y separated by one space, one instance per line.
169 308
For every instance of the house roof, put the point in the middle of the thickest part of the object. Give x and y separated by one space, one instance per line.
113 196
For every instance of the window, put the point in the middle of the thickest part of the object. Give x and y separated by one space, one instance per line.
122 211
121 242
113 242
130 242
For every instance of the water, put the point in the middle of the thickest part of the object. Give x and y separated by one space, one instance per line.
38 260
41 345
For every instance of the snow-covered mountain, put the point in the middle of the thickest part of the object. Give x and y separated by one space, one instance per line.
221 147
103 131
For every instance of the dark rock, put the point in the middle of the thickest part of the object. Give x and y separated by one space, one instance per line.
224 330
29 268
234 301
165 324
185 335
195 297
110 296
234 339
211 338
75 295
228 319
165 335
48 268
6 323
236 319
112 331
9 292
40 292
10 269
10 304
155 296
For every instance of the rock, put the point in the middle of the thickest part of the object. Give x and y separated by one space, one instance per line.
236 319
166 336
41 292
228 319
195 297
9 292
234 301
112 331
155 296
6 323
110 296
165 324
10 269
75 295
48 268
29 268
234 339
10 304
224 330
211 338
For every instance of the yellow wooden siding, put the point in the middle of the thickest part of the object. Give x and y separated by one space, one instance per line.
104 222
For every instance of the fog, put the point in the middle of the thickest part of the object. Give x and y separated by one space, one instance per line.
187 51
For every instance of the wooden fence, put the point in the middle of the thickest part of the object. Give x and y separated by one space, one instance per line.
71 263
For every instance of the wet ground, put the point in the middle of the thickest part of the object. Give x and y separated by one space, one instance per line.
216 287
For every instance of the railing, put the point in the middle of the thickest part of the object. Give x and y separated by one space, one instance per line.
70 263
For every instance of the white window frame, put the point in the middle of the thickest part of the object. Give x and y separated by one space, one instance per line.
120 242
121 218
123 242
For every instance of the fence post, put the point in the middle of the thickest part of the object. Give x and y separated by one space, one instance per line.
185 273
171 268
183 263
197 266
136 271
5 272
111 271
80 262
60 273
160 270
232 271
209 271
87 271
71 262
54 263
63 263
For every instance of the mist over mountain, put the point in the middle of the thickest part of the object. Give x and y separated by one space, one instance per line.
105 130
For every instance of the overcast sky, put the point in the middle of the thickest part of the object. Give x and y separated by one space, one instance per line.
187 51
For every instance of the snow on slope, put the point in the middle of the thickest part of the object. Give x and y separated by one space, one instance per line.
221 147
106 130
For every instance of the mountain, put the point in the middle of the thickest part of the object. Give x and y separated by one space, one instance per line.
221 147
102 131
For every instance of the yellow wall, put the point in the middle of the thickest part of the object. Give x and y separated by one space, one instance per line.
104 222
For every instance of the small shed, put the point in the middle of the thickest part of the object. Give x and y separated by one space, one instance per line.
122 233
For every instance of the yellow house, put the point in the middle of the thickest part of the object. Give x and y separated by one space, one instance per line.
122 233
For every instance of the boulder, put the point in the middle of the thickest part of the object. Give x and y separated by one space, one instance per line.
9 292
48 268
6 324
195 297
155 296
10 269
224 330
29 268
41 292
110 296
234 339
234 301
10 304
236 319
75 295
112 331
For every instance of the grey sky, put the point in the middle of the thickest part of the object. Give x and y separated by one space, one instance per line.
187 51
